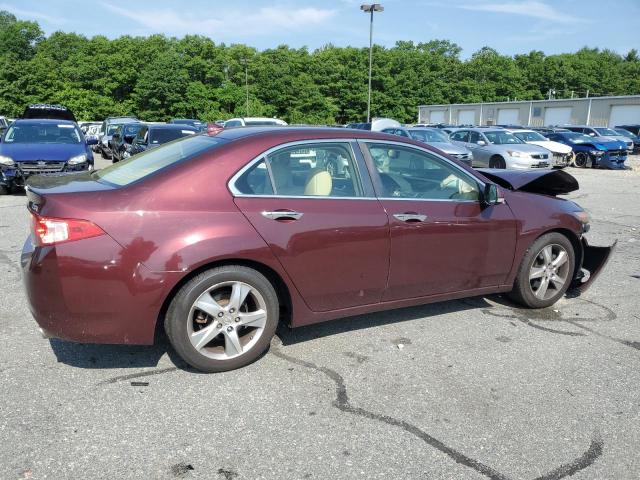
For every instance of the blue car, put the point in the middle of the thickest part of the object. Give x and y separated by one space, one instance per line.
607 154
40 146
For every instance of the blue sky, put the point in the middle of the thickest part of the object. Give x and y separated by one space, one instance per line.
509 26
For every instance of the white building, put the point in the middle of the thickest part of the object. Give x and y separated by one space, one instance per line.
596 111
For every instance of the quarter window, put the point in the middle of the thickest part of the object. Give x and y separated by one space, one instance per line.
410 173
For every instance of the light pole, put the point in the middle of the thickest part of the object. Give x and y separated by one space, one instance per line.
370 8
246 81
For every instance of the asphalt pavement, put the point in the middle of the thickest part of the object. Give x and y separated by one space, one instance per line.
467 389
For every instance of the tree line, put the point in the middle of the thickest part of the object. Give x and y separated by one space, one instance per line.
158 77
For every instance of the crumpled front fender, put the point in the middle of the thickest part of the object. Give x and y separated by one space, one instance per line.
594 259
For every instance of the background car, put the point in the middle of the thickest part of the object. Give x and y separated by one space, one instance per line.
107 128
197 124
31 147
153 135
48 111
498 148
602 133
597 152
436 138
122 138
635 128
562 155
232 242
631 136
253 122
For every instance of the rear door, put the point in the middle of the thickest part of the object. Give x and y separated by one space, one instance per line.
442 240
330 233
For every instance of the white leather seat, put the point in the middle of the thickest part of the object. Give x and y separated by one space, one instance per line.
319 183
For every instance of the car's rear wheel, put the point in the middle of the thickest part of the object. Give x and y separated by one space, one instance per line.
546 272
223 318
497 162
582 159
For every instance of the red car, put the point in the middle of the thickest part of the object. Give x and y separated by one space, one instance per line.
217 238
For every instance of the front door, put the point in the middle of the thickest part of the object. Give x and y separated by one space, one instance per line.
442 239
328 230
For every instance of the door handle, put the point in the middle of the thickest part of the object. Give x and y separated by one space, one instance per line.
282 215
410 217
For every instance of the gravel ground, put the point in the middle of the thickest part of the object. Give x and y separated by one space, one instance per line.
465 389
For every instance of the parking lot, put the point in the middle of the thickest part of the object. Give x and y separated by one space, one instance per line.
474 388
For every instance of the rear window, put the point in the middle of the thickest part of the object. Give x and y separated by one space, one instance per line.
151 161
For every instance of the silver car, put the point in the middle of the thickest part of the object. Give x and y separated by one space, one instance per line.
498 148
436 138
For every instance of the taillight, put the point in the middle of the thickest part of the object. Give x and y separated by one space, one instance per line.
50 230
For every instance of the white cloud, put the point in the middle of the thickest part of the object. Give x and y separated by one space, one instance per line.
31 15
529 8
224 23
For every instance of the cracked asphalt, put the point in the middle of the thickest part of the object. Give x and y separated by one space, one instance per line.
467 389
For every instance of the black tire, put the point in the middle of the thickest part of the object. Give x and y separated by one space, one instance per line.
582 160
497 162
177 317
523 291
4 190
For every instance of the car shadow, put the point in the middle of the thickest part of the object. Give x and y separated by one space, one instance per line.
100 356
84 355
290 336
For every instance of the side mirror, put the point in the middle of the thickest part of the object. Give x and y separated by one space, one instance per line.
91 140
490 195
481 143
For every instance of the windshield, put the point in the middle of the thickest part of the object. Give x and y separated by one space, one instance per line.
146 163
132 129
606 131
112 129
498 137
426 135
578 138
164 135
530 137
624 133
43 133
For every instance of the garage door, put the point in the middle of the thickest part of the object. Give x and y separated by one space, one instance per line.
624 115
508 116
557 115
466 117
436 116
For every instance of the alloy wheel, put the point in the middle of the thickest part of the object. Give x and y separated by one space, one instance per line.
549 271
227 320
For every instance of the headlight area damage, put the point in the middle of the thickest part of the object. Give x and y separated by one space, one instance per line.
591 259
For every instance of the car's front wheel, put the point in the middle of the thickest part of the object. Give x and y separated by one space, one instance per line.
582 159
497 162
223 318
546 271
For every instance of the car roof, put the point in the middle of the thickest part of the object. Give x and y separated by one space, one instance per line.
40 121
291 134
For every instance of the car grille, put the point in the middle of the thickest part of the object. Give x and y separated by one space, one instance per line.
462 156
540 165
539 156
35 168
617 153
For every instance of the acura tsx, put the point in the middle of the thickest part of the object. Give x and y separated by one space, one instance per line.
218 238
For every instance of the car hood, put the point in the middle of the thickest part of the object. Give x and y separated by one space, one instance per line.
21 152
555 147
449 148
546 182
603 144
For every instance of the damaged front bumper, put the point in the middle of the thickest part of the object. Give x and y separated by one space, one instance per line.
593 261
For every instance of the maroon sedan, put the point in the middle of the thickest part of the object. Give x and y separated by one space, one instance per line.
218 238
